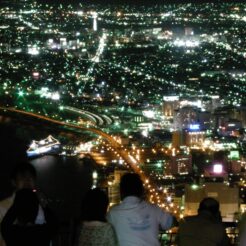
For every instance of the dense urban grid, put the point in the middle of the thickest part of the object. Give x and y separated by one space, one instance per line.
164 87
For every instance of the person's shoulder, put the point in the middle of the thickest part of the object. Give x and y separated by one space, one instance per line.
190 218
149 204
5 205
7 202
115 207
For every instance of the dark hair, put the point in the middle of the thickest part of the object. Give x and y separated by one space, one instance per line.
131 185
26 204
95 205
209 204
22 168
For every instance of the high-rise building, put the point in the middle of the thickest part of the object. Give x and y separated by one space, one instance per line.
195 138
186 116
94 16
178 139
114 187
170 104
179 164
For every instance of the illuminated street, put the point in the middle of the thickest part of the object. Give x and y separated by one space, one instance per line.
159 88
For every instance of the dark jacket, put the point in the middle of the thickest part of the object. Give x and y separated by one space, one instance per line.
28 235
202 230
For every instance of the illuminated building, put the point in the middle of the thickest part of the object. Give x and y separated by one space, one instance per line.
179 164
170 104
94 16
218 169
227 197
63 43
230 118
231 128
189 31
114 187
194 136
216 102
184 117
234 161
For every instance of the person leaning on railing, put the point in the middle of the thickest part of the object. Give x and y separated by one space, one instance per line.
205 228
136 221
94 230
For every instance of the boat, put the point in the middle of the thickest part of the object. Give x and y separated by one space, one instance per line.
49 145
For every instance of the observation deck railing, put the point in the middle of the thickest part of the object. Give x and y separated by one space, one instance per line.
66 236
169 238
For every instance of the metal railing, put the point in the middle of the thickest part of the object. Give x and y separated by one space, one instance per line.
169 238
66 236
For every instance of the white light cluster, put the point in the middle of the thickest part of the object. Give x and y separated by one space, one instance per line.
186 43
44 92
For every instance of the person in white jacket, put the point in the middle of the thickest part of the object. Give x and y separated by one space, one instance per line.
136 221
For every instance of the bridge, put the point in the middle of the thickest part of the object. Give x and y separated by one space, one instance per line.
96 119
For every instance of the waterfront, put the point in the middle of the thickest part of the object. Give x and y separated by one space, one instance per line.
63 181
159 88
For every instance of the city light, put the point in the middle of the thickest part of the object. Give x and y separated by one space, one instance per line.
156 89
217 168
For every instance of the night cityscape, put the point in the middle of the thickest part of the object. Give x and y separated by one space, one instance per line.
158 89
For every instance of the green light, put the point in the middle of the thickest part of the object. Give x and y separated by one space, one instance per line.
126 131
21 93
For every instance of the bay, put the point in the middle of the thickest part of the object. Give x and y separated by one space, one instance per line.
63 181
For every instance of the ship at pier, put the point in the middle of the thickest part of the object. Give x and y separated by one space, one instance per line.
46 146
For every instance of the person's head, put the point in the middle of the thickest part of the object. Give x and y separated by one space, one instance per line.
131 185
24 176
26 204
210 205
95 205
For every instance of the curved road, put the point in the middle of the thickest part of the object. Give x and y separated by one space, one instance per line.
130 161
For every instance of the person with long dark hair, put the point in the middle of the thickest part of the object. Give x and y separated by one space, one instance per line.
94 229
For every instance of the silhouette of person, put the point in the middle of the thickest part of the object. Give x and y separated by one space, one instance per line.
18 225
23 176
204 229
12 152
136 221
94 229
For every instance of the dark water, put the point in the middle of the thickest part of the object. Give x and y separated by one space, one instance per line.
63 181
